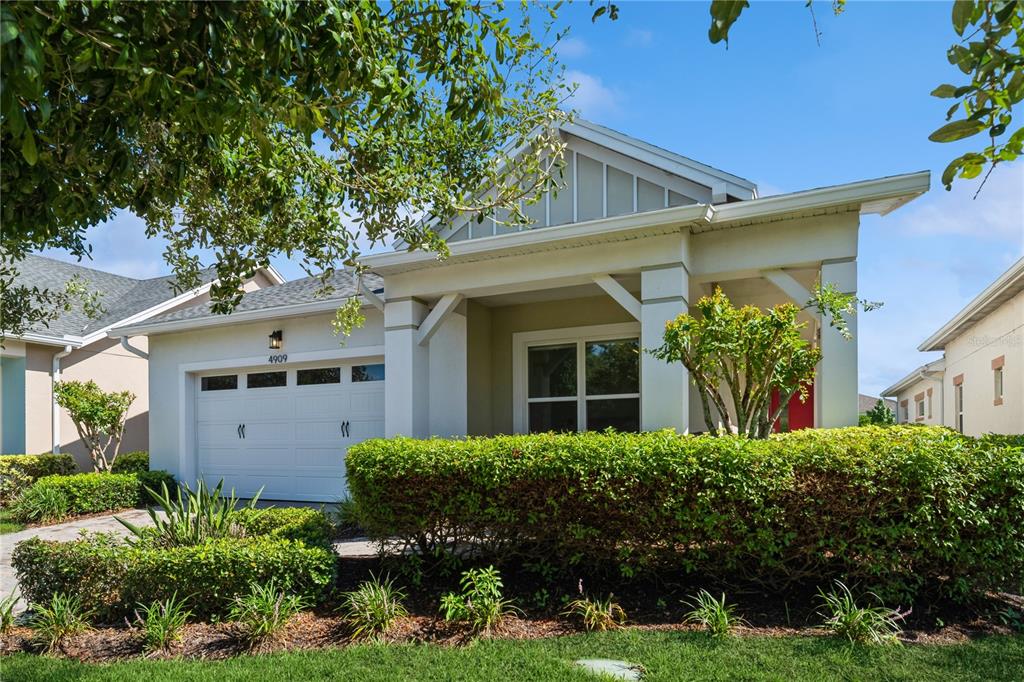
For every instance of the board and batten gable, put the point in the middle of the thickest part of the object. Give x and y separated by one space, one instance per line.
176 359
598 182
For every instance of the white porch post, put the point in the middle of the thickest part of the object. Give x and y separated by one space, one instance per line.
448 378
836 389
406 383
664 387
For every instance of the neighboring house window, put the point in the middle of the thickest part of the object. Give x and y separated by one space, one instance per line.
583 385
929 403
920 408
958 402
904 415
997 380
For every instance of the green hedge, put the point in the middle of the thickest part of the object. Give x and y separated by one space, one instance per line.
113 577
79 494
896 509
17 472
307 525
131 462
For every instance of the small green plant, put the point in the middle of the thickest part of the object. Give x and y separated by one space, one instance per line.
598 614
58 619
717 617
41 504
7 612
1012 618
480 603
193 517
162 622
374 607
346 517
861 625
264 612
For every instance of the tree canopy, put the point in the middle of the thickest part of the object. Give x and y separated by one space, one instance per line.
263 128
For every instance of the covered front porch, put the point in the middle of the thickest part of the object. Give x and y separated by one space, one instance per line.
546 329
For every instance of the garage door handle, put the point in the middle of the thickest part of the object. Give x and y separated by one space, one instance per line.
239 430
344 429
243 431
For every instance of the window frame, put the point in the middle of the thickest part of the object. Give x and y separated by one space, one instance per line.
998 386
523 341
958 406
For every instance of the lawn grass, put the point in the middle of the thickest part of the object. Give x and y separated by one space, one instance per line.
666 656
7 522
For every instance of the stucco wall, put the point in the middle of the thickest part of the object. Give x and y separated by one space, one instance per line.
507 320
931 391
38 361
478 369
225 343
1001 333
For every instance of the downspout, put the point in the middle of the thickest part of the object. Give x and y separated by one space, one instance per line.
132 349
55 408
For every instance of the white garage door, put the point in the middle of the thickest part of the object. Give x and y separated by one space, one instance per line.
286 430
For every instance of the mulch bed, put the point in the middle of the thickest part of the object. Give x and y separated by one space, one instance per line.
654 604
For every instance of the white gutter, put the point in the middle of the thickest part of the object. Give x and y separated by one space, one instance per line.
55 408
132 349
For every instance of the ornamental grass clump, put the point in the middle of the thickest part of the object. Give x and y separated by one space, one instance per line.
262 614
7 612
859 624
162 623
193 517
373 607
597 614
714 615
54 621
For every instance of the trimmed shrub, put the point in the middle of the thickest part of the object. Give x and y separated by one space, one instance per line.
895 509
304 524
112 577
87 494
135 462
18 472
91 493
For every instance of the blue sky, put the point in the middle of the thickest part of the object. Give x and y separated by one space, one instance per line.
779 109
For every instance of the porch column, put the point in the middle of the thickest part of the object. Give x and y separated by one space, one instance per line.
664 387
448 380
836 389
407 377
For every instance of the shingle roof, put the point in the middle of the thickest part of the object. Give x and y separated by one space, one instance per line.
290 293
120 297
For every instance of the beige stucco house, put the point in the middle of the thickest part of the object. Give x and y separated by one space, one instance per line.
519 330
76 347
977 386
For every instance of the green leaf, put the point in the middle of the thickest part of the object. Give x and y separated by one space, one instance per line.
962 11
945 90
28 148
957 130
8 32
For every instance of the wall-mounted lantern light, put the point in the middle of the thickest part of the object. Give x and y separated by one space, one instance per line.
276 338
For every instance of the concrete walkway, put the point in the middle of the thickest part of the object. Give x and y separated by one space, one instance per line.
355 548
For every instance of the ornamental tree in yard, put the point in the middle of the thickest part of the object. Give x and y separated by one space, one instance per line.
98 416
254 129
741 356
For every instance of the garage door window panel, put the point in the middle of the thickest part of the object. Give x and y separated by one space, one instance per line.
266 380
225 382
361 373
318 376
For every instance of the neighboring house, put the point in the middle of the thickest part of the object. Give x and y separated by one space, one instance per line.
977 386
518 330
76 347
866 403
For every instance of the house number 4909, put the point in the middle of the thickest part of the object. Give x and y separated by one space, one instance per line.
278 359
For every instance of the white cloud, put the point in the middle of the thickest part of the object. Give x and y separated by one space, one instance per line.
997 213
639 37
572 48
592 98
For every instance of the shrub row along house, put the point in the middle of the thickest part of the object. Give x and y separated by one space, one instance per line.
76 346
519 330
977 386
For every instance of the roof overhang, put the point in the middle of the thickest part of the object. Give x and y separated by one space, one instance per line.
928 371
881 196
243 317
1008 285
49 339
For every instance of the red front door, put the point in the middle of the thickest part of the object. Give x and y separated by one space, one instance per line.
798 415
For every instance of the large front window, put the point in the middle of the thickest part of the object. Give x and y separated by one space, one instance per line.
583 385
